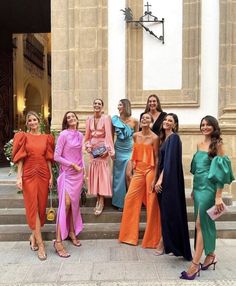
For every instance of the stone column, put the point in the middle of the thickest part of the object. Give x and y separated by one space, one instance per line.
79 57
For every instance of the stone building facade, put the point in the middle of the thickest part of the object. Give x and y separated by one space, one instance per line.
87 63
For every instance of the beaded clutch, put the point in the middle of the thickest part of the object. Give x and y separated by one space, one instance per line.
98 151
214 214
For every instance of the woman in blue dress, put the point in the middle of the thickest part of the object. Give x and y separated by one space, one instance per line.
211 170
123 126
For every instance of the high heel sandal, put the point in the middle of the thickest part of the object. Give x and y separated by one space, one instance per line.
74 240
60 251
99 210
159 249
42 255
96 207
33 244
186 276
213 262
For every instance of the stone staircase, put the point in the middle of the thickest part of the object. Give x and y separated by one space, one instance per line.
13 225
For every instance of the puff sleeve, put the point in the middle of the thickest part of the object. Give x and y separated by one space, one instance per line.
220 172
50 148
108 137
18 151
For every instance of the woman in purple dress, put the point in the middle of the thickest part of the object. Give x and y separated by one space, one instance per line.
69 183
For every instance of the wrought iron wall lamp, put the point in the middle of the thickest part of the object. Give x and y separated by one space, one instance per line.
146 18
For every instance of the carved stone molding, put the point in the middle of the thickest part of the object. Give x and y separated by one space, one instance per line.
189 93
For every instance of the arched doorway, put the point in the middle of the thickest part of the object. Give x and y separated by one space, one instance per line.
33 99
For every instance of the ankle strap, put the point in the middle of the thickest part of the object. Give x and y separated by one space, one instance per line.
194 263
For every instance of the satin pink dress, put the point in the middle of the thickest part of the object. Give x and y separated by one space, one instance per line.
99 173
68 151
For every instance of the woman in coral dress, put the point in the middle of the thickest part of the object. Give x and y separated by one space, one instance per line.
99 136
69 155
141 190
33 153
211 169
123 126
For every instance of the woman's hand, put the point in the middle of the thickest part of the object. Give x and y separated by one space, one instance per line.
158 187
104 155
192 195
153 186
19 183
77 168
219 204
50 185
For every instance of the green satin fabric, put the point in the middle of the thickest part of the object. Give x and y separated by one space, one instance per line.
209 175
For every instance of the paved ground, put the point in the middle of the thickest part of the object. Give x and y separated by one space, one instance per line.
108 263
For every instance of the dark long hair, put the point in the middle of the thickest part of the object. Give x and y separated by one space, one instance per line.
147 109
215 136
162 135
64 121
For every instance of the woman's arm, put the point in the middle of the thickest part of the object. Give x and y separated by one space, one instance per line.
51 175
19 174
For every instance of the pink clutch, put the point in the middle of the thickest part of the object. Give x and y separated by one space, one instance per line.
213 214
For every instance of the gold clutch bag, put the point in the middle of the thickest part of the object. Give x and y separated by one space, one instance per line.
51 213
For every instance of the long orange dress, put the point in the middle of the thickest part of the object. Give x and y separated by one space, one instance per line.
35 151
140 191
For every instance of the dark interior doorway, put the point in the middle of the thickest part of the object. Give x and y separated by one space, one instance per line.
16 16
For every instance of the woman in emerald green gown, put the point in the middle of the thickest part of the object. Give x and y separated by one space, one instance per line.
211 170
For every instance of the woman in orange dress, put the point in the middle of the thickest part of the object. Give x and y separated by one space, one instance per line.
141 189
33 153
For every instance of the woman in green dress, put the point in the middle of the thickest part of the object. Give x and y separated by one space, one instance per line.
211 170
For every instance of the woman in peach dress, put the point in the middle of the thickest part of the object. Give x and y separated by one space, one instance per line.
99 134
33 153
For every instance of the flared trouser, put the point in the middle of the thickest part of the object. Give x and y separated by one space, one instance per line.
140 192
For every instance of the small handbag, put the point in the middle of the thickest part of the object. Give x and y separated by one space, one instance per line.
214 214
98 151
51 213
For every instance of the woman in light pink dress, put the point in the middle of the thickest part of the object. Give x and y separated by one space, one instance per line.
68 154
99 134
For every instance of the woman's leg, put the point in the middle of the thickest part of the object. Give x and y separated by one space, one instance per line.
58 245
199 246
38 235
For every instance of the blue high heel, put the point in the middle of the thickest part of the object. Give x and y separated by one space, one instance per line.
186 276
213 262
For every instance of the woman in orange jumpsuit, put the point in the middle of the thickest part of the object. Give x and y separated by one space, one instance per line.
141 189
33 153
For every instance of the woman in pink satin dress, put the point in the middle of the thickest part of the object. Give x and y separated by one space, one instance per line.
68 154
99 134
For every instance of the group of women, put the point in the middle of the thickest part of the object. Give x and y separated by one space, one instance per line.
147 170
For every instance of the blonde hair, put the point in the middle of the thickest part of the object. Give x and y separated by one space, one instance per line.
29 114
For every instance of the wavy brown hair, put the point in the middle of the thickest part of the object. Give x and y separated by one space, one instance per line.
127 107
64 121
215 136
147 109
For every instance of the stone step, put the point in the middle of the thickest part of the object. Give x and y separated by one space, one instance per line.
11 198
21 232
110 215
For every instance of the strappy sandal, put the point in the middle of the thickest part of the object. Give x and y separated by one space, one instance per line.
42 255
99 210
74 240
60 250
33 244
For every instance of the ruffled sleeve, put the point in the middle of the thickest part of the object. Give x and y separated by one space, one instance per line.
50 148
19 152
220 171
